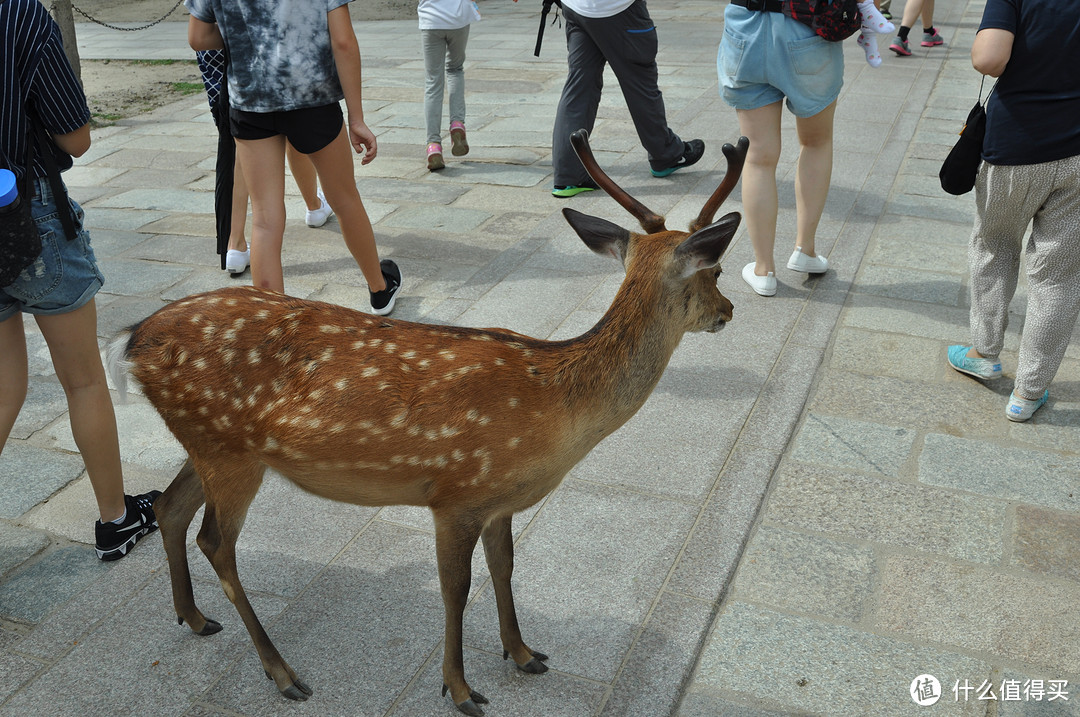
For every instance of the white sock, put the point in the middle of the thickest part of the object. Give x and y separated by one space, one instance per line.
873 20
868 42
120 520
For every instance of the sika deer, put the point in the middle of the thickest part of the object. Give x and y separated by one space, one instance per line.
476 424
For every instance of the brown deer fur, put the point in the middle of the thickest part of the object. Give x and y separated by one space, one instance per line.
476 424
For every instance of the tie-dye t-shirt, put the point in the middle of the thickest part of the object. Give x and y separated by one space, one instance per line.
279 52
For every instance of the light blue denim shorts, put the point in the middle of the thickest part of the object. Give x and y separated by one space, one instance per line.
65 276
765 57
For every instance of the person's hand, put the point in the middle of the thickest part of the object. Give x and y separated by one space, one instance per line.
363 140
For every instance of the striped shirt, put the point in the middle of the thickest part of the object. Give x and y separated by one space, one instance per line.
35 71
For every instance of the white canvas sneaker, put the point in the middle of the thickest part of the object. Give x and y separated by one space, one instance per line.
807 264
763 285
318 217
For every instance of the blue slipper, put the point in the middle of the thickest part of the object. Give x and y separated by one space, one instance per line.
1021 409
983 368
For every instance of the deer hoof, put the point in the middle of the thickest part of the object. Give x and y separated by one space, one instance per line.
297 691
534 666
210 627
470 707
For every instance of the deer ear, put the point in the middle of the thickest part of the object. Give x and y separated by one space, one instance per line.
703 248
600 235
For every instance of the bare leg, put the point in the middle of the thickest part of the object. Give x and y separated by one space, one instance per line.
72 340
334 164
760 201
303 171
237 241
263 164
813 174
912 10
13 374
927 13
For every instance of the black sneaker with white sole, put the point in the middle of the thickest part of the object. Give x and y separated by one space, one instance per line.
114 540
382 302
692 152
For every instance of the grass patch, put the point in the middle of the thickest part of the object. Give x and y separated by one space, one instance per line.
187 88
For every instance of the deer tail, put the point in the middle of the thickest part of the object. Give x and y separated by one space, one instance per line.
117 364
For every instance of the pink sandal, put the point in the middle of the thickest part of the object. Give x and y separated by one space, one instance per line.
434 157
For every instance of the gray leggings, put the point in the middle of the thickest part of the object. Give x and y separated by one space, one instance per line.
1007 198
440 45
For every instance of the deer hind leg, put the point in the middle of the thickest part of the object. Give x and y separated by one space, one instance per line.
174 509
229 492
455 539
499 550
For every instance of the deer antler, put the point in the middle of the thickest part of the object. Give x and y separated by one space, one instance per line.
651 222
736 157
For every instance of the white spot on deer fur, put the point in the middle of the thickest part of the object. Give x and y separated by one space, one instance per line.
399 419
327 354
275 332
338 428
513 402
203 410
341 384
413 430
253 356
329 329
262 313
424 363
390 348
270 444
369 371
358 344
513 442
448 355
408 354
472 415
448 431
314 423
181 357
500 362
315 395
484 420
376 342
228 356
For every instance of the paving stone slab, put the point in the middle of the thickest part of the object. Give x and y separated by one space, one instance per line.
888 512
808 574
822 668
847 443
1041 478
981 609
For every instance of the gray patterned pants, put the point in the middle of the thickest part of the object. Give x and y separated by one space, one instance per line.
1008 198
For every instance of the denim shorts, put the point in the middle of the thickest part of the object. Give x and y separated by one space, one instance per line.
765 57
66 275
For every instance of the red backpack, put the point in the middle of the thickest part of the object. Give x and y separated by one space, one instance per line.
833 20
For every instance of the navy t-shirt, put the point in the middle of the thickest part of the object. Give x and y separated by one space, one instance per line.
1033 115
35 71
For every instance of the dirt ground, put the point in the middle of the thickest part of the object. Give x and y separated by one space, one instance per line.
117 88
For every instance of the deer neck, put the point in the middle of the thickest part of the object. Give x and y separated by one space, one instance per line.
617 363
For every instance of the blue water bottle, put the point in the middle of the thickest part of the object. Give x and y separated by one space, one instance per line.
9 193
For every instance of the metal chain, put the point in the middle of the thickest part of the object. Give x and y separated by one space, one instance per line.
122 29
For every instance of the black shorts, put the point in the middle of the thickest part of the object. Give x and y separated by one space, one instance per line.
308 130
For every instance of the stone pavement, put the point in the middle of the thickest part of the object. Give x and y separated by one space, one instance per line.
809 512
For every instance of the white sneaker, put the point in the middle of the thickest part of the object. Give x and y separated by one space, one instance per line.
318 217
237 261
807 264
764 285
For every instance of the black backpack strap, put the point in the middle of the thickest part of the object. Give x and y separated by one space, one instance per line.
53 173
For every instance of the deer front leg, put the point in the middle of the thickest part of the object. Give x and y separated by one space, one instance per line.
499 551
174 510
455 539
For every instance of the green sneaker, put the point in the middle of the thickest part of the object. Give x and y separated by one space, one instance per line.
983 368
570 190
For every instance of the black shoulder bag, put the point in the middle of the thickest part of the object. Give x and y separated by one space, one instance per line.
960 168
